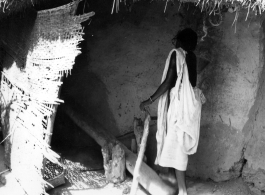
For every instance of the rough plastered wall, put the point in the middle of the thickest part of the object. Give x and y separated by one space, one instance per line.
122 63
254 131
230 64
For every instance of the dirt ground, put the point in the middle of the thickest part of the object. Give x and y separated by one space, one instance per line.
195 187
90 158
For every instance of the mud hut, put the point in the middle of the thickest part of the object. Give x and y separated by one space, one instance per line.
122 60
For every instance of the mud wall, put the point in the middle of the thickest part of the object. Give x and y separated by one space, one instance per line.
254 170
122 63
231 66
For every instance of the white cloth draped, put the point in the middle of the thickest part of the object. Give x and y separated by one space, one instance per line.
184 112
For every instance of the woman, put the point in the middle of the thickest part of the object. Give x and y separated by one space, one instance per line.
170 151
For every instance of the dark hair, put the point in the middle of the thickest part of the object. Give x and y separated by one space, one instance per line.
187 38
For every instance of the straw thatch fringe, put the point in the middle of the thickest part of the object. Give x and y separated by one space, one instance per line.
32 92
212 6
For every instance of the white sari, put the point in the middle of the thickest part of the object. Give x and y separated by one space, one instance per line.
178 127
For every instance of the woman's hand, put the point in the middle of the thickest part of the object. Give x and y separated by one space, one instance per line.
144 104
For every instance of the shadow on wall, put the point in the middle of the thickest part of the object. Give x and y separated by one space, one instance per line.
15 41
89 92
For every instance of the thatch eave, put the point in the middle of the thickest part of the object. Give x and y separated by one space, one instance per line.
13 6
209 6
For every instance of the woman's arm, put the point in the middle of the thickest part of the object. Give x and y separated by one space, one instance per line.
192 67
168 83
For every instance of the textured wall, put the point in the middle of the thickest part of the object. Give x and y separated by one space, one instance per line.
230 82
231 74
254 169
122 63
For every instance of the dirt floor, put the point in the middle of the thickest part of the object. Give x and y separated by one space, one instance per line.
88 164
195 186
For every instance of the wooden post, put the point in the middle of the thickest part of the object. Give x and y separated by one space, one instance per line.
136 174
147 177
51 119
50 123
114 162
5 126
138 131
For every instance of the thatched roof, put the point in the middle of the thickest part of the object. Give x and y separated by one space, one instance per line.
210 6
11 6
